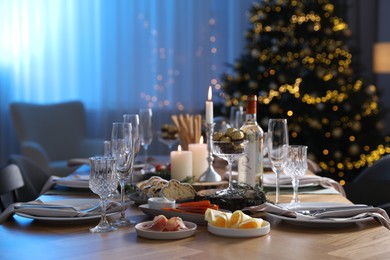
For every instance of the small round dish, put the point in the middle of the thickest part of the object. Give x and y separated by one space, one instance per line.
165 235
159 203
240 233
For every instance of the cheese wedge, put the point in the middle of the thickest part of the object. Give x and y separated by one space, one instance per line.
217 218
251 223
237 218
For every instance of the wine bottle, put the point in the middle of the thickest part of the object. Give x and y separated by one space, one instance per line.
250 166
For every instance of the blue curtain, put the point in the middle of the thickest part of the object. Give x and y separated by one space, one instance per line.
115 56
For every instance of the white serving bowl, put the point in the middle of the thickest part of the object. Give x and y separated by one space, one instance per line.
159 203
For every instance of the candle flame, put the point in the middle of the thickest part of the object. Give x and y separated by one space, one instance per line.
210 94
179 148
201 140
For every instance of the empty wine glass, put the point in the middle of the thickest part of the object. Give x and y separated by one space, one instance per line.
107 148
277 148
146 134
122 151
296 166
237 116
103 181
133 119
230 152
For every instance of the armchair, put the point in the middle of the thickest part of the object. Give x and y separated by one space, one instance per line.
52 134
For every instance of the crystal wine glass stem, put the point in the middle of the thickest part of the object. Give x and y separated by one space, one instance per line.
103 206
277 192
230 175
295 184
146 155
122 184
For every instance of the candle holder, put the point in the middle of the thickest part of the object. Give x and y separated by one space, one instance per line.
210 175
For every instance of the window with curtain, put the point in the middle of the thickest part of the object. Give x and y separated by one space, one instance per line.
115 56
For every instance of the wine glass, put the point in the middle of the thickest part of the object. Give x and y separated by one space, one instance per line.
135 133
122 151
230 152
146 133
103 181
133 119
237 116
277 148
296 166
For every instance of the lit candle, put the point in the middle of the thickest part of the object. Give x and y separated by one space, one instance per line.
181 164
199 158
209 107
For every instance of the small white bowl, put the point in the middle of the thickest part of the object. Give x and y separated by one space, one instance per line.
159 203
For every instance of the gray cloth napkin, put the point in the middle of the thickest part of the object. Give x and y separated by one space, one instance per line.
37 208
337 214
269 179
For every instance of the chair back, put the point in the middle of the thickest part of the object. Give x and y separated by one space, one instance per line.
10 180
379 171
34 178
58 128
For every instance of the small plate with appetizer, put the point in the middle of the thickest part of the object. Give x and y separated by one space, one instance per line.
161 228
240 233
236 224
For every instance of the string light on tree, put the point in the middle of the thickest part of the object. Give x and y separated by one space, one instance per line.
299 64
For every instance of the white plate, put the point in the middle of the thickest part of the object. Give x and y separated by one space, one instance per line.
317 222
76 181
196 218
289 186
82 203
269 180
240 233
165 235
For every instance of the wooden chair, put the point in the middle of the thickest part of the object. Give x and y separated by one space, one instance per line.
10 180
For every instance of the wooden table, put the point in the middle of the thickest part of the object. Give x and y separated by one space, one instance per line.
27 239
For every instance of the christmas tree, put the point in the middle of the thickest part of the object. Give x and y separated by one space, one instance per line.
298 62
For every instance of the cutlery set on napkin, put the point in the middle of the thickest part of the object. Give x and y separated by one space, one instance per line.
336 213
270 179
77 208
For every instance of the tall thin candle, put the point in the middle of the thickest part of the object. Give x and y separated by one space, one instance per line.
209 108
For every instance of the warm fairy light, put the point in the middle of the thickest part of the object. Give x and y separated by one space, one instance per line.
324 56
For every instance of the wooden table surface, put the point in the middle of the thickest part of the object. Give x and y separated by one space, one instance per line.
22 238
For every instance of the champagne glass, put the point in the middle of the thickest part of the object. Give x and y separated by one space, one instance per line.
296 166
122 150
146 134
230 152
237 116
133 119
277 148
103 181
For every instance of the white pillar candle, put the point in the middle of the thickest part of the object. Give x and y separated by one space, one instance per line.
209 108
199 158
181 164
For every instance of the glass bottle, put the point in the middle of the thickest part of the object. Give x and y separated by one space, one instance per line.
250 166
